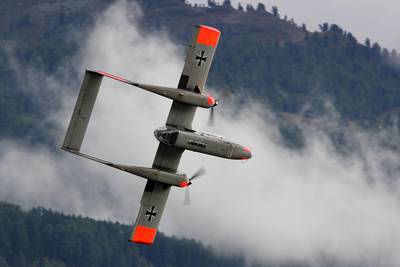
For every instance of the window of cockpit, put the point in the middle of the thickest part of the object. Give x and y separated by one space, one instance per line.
169 138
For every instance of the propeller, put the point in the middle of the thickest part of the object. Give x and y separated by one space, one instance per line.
186 200
200 172
211 118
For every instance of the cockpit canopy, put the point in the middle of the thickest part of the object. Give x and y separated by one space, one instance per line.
166 136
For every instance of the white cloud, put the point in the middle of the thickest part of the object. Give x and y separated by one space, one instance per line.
282 206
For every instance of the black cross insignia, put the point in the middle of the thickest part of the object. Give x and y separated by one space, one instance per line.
201 58
150 214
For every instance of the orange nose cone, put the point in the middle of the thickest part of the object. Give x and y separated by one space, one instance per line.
211 101
183 184
247 153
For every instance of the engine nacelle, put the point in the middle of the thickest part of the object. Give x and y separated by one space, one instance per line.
184 96
156 175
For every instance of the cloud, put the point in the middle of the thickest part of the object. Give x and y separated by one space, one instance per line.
284 206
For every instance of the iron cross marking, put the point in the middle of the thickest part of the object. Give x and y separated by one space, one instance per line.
150 214
201 58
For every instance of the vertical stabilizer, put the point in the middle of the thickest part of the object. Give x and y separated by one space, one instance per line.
83 109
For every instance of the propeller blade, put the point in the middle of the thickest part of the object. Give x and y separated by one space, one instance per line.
211 118
187 201
200 172
197 174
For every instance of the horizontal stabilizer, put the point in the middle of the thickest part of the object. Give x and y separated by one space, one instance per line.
83 110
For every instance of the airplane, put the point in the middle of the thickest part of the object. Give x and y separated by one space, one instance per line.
174 138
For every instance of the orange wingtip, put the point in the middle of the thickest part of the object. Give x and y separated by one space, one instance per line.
143 235
112 76
208 36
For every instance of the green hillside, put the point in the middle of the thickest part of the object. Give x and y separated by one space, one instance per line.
260 55
45 238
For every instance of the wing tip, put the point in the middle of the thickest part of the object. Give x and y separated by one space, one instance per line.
208 28
143 235
208 35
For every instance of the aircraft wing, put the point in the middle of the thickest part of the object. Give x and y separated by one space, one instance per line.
194 75
151 209
155 196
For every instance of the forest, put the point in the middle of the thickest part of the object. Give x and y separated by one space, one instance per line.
263 55
46 238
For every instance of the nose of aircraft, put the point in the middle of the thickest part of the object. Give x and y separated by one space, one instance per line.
241 152
211 101
246 153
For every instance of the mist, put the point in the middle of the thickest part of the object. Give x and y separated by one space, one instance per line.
307 206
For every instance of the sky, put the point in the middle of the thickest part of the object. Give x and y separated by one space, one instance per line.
377 20
282 206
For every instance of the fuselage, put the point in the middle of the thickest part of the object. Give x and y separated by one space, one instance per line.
202 142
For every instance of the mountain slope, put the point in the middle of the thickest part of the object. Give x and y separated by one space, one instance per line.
41 237
260 55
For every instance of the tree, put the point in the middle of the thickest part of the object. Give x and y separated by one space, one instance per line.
367 42
260 7
249 7
3 262
351 38
376 49
52 263
385 53
275 11
324 27
227 3
335 28
20 260
212 3
5 246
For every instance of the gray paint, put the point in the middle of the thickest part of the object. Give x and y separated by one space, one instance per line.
153 174
156 198
180 95
181 115
187 97
83 110
203 143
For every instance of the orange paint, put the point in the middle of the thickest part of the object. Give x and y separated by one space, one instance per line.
183 184
112 76
208 36
210 101
143 235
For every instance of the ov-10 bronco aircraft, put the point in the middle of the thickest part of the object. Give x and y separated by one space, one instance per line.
175 137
